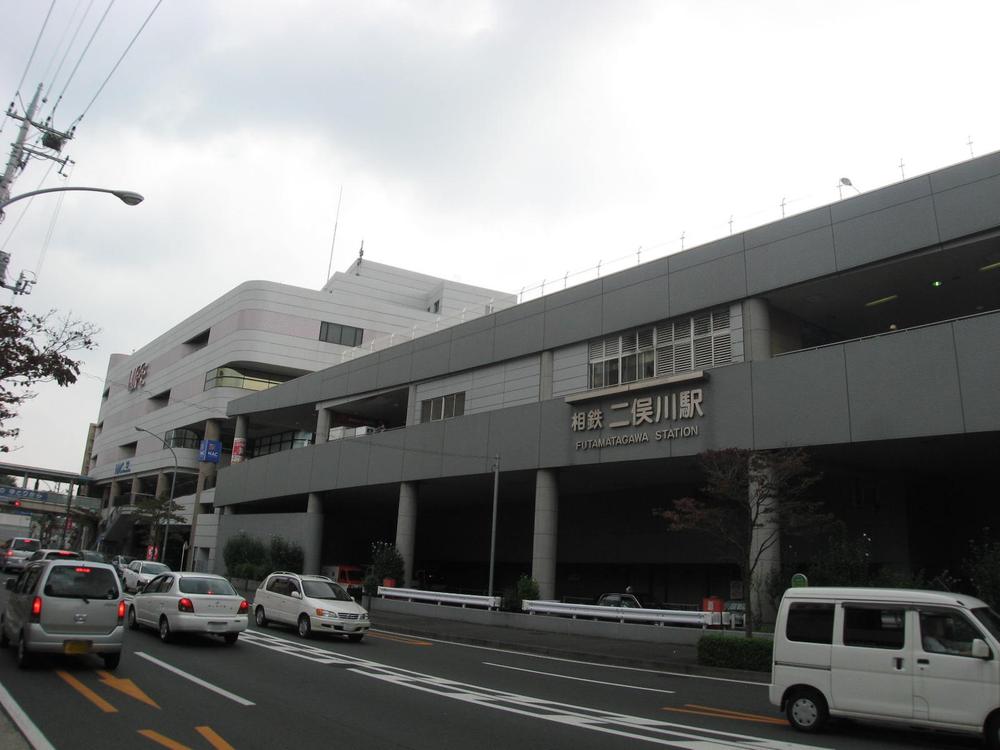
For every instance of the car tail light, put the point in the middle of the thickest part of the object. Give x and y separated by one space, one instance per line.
36 609
82 570
9 553
244 607
121 611
185 605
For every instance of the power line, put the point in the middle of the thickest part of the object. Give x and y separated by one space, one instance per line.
17 91
69 47
83 54
101 88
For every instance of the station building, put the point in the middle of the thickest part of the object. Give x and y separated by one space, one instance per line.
162 402
867 331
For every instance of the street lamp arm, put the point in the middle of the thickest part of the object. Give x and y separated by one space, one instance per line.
127 197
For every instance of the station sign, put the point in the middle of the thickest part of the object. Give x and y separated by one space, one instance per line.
22 493
668 415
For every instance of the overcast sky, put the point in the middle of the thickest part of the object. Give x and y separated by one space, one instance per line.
502 144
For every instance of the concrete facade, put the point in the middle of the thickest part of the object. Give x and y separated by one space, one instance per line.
866 331
253 337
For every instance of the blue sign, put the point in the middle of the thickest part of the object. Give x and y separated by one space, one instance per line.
123 467
210 451
23 494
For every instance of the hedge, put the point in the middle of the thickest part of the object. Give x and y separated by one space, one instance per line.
735 653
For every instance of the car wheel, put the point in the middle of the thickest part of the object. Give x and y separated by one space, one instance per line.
111 661
230 638
806 710
259 618
355 637
133 624
991 732
4 640
305 627
165 634
23 655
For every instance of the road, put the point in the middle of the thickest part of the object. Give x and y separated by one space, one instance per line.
393 691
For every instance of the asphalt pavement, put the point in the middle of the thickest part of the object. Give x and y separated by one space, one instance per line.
656 656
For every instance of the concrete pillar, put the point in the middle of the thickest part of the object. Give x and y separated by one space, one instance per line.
238 454
322 426
544 543
162 485
312 539
115 493
406 528
756 329
412 407
135 490
206 472
545 376
766 532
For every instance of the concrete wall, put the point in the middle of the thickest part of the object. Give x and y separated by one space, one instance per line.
289 526
935 380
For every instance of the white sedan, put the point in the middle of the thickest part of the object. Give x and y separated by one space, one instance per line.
192 603
140 572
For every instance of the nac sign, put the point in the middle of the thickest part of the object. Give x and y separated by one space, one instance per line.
137 377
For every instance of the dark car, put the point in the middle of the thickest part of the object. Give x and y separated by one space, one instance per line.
619 600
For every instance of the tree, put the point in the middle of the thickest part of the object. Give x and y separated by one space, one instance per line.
156 511
749 499
35 349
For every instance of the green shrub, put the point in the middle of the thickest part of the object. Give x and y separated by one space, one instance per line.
286 556
525 588
735 653
242 553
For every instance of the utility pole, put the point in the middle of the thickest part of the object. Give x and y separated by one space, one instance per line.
20 152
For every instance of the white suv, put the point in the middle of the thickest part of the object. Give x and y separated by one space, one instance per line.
311 603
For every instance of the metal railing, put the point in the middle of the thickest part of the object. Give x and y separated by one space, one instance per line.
439 597
622 614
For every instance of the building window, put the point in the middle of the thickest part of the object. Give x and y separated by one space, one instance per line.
183 438
691 343
334 333
281 441
442 407
230 377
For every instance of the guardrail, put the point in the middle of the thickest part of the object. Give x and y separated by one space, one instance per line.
439 597
622 614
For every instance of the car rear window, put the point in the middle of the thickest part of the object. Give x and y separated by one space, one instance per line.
81 582
26 545
153 567
218 586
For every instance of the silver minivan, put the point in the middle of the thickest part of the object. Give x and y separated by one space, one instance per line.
65 607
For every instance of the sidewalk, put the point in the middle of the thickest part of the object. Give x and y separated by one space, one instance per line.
677 658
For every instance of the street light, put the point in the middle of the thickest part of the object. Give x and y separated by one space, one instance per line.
173 482
127 197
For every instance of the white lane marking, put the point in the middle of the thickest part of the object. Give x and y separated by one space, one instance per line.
196 680
31 732
633 727
579 679
656 731
578 661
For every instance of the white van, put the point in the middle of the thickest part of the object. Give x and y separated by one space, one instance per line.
918 658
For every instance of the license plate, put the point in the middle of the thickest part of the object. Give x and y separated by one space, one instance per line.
76 647
217 626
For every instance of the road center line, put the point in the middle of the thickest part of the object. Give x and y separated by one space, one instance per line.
87 693
195 680
579 679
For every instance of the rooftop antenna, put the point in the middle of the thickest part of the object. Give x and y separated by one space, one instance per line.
329 266
901 165
969 144
361 255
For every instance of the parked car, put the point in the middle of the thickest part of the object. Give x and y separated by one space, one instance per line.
311 604
64 606
15 552
191 603
619 600
54 554
140 572
915 658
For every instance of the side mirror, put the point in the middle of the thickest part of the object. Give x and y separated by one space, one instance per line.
10 583
297 595
979 649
